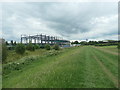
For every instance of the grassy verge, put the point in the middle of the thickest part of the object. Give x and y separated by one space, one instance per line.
13 56
110 48
109 60
72 68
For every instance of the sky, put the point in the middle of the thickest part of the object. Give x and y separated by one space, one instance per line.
69 20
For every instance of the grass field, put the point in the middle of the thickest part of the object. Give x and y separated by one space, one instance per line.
12 56
76 67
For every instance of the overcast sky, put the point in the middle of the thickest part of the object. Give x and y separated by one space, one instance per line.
72 21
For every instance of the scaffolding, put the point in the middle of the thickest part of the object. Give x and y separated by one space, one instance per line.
43 39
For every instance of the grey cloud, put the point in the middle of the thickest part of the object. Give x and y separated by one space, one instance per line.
66 19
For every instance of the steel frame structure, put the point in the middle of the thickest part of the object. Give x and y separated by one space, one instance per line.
43 39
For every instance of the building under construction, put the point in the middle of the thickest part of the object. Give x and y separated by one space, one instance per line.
43 39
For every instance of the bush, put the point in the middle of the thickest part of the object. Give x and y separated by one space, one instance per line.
56 47
30 47
47 46
42 46
9 67
36 46
11 48
20 49
4 52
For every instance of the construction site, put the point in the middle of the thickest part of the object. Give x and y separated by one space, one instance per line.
43 39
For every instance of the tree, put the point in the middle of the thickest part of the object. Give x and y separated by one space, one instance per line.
36 46
75 42
47 46
56 47
20 48
42 46
100 42
11 42
72 42
92 42
4 52
15 43
7 43
83 42
30 47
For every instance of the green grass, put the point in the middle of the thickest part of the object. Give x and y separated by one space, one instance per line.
114 46
74 67
110 48
109 60
13 56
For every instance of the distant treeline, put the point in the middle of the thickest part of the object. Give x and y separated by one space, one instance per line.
12 45
97 43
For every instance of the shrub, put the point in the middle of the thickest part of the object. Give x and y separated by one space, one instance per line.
42 46
56 47
20 49
47 46
52 53
11 48
4 52
9 67
30 47
36 46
